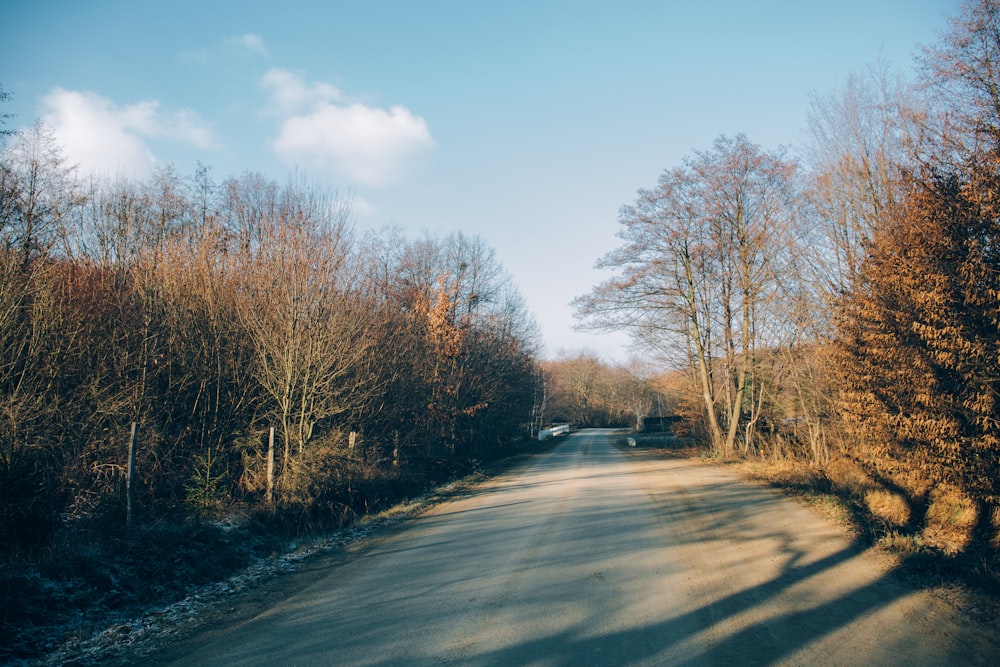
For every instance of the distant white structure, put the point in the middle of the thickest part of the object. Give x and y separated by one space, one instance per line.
553 431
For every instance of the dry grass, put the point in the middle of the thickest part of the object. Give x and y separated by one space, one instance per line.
842 489
848 477
901 545
951 519
784 472
806 482
935 541
835 509
891 508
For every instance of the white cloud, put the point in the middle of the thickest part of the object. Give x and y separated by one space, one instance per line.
103 137
368 145
289 93
249 43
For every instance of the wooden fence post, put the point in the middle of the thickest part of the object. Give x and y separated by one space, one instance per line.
129 474
270 468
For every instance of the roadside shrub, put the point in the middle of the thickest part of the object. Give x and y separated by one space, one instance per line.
889 507
311 490
848 476
207 490
951 518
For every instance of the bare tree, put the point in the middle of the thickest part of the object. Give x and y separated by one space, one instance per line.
39 193
635 391
702 266
5 96
962 74
305 319
862 138
577 392
250 205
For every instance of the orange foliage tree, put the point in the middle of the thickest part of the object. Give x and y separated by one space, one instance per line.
918 339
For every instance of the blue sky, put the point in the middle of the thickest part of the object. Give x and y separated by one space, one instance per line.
527 123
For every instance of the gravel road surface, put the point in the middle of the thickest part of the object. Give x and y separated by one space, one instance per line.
594 555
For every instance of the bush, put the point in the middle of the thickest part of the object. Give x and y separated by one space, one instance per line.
951 519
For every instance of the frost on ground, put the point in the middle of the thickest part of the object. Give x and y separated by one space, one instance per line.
127 638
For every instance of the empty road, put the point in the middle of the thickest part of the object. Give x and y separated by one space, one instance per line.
590 555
